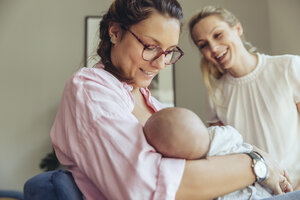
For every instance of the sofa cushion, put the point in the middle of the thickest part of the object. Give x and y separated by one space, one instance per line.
52 185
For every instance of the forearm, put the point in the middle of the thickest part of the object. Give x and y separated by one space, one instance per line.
215 176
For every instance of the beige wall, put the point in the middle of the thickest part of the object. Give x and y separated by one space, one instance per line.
285 26
41 44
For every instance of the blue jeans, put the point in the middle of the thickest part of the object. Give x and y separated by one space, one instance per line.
288 196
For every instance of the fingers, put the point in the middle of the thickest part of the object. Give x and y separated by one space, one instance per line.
287 176
278 190
285 185
278 181
289 188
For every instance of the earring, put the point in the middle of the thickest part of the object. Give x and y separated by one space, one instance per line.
112 40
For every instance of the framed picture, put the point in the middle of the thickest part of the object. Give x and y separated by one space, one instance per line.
162 86
91 40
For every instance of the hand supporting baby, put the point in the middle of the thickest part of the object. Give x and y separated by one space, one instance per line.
278 180
286 184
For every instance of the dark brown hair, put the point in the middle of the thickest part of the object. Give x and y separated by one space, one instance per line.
128 13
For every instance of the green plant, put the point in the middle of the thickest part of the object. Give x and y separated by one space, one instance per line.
50 162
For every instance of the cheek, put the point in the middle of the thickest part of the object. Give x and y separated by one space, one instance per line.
134 59
129 57
133 53
132 62
232 38
206 53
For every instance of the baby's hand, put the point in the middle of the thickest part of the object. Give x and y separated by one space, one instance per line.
286 184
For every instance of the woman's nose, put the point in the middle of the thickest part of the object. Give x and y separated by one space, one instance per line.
159 63
214 46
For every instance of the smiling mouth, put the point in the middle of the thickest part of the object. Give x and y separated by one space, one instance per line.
147 72
221 56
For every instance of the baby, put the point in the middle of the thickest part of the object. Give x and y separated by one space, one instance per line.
177 132
180 133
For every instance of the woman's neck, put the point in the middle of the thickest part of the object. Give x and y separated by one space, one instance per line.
141 110
138 97
245 65
135 92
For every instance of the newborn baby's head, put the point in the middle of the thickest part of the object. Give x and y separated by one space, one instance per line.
178 133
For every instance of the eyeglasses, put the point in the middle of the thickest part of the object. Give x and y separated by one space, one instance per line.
152 52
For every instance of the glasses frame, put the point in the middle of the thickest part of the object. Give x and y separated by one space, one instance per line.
161 51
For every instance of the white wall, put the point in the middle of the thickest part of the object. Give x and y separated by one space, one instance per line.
41 44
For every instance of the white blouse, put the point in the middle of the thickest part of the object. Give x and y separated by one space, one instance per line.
262 107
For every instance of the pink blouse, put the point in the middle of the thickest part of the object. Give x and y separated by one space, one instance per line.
101 142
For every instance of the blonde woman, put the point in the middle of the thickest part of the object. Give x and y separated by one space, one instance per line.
257 94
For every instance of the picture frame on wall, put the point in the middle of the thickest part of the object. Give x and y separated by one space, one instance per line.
162 86
91 40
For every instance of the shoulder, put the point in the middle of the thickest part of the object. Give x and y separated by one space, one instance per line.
94 76
279 64
280 60
95 87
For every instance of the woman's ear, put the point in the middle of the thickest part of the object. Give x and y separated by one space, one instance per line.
115 32
239 29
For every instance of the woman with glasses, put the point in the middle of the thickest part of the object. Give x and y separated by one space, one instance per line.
98 130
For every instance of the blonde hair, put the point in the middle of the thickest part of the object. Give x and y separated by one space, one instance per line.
211 72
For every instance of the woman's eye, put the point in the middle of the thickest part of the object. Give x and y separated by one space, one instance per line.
172 50
201 46
218 35
150 48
